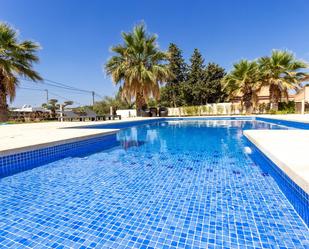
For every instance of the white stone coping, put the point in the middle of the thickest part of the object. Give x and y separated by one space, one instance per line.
18 138
50 140
300 118
288 149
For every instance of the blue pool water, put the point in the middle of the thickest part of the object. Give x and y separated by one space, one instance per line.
175 184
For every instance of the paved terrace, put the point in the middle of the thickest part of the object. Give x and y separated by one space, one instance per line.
288 149
17 138
303 118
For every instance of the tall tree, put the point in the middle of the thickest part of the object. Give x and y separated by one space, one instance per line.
196 76
281 72
214 92
177 66
138 65
16 59
244 81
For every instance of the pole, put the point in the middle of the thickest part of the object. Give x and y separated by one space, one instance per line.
61 112
92 98
46 96
303 106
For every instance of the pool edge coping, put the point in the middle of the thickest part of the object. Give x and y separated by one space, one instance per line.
39 146
296 178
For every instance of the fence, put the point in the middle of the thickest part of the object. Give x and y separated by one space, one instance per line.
209 109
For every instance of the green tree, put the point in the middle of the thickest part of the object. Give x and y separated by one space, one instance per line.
193 87
213 91
138 65
244 81
103 107
281 72
53 106
16 60
171 93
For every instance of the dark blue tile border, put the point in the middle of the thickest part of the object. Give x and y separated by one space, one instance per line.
127 124
15 163
122 125
295 194
212 118
293 124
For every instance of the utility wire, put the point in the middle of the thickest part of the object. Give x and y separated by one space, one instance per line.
52 93
32 89
62 85
98 95
74 92
56 84
59 96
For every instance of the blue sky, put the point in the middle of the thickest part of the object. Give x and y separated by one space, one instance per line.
76 35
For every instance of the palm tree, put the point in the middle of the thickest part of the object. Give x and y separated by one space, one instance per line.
138 66
243 81
52 105
281 73
16 59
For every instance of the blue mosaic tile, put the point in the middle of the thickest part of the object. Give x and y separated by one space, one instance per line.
174 184
27 160
296 195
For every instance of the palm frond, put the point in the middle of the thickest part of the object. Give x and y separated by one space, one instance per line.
16 59
138 64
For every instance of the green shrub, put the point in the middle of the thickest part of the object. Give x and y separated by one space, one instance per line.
272 111
206 109
191 110
287 107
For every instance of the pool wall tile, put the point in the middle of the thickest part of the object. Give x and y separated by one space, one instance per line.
15 163
295 194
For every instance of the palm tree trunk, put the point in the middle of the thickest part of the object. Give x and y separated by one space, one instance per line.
247 98
274 97
140 103
3 102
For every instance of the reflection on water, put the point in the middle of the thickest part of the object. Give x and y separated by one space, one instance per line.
190 135
126 144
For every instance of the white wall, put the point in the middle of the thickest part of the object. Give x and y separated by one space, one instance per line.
129 113
209 109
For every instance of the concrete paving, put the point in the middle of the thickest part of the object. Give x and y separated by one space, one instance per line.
288 149
16 138
304 118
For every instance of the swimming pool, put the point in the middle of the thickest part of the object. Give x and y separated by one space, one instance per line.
167 184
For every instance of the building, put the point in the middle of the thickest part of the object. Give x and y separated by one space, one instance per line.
301 99
263 96
29 113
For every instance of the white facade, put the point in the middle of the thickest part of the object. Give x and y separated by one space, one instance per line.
128 113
